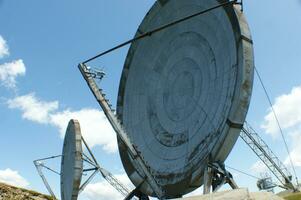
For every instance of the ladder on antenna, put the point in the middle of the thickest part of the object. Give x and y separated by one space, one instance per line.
120 131
266 155
114 182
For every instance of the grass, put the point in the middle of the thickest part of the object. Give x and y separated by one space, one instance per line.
293 196
13 190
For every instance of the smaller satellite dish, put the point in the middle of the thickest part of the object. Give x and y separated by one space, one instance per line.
72 162
72 167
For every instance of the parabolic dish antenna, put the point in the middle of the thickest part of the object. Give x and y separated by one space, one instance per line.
184 92
72 162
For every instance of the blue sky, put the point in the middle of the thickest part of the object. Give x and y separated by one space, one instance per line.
43 41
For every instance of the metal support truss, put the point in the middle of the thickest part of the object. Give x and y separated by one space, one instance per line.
105 174
136 192
120 131
82 187
39 166
266 155
215 176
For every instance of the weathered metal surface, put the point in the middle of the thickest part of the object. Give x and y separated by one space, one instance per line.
72 163
184 92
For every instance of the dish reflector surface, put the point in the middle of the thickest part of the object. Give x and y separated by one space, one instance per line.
184 92
72 163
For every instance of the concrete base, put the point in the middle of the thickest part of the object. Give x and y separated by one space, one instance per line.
238 194
264 196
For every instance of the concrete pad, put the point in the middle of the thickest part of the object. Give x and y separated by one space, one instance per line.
264 196
239 194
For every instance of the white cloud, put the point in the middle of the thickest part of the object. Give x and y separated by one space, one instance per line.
9 72
103 190
12 177
296 150
94 127
288 110
259 167
3 48
32 108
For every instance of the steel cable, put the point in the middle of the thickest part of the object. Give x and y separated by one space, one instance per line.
277 121
149 33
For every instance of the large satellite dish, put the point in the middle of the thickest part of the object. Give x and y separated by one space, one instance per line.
72 162
184 92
